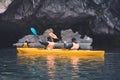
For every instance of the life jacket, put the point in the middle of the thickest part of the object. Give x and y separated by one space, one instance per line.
50 45
25 45
75 46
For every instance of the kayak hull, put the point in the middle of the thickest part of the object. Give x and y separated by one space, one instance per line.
61 52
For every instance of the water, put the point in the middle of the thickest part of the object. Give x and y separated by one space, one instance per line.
50 67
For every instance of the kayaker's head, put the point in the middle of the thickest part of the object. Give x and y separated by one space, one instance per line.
73 39
26 40
49 39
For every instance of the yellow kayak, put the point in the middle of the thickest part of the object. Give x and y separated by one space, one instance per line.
62 52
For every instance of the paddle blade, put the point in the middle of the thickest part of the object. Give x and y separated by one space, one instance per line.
33 30
53 35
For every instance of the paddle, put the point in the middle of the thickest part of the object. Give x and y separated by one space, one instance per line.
53 35
33 30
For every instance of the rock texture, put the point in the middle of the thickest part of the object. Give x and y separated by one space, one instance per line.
99 19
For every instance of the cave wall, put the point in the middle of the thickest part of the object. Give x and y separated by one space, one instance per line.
99 19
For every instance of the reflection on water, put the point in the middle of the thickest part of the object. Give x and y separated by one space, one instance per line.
55 67
51 67
75 68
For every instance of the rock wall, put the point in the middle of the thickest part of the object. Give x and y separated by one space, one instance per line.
99 19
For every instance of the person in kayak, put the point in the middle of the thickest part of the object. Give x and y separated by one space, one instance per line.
49 44
25 44
72 46
75 44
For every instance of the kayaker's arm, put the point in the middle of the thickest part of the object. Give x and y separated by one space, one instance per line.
68 45
43 42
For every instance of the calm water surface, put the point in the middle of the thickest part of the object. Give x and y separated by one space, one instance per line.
50 67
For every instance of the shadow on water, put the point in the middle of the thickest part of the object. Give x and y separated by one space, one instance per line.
13 67
111 62
112 66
